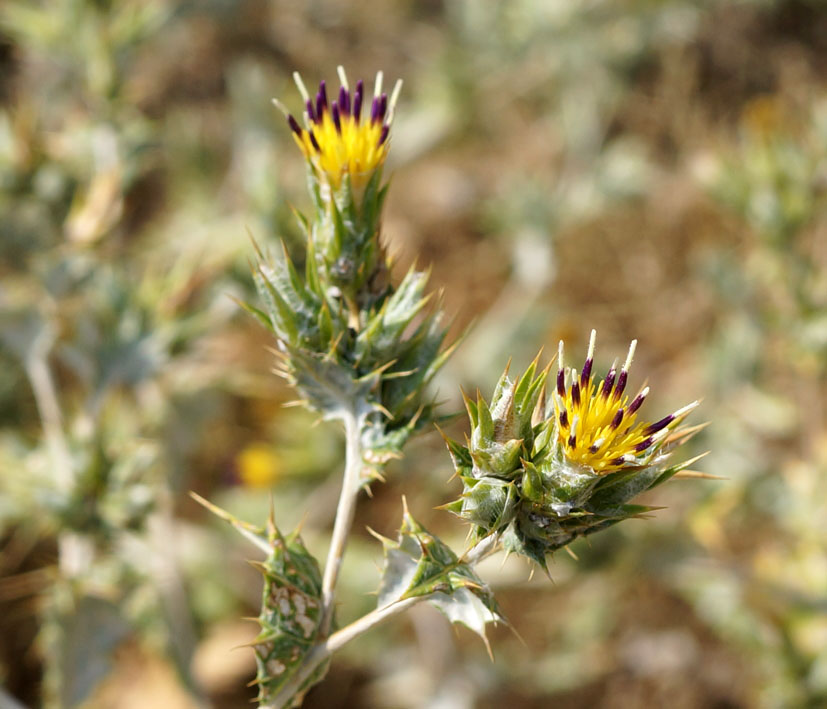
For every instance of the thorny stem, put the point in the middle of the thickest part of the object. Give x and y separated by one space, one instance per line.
7 701
45 397
75 552
326 648
323 650
344 518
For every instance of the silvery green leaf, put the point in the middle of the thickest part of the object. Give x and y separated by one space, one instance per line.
89 637
420 564
25 333
463 606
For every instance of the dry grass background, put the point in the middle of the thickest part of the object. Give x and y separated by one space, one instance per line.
655 170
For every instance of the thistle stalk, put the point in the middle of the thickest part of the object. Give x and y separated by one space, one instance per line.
344 517
75 552
335 642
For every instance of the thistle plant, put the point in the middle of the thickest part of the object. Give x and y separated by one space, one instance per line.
543 464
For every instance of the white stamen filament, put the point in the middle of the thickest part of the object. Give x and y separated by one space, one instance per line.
394 98
340 70
279 105
686 409
592 339
301 87
630 356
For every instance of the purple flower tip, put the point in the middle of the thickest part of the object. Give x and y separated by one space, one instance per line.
608 383
621 383
357 105
575 393
344 101
643 445
636 404
294 126
663 423
586 373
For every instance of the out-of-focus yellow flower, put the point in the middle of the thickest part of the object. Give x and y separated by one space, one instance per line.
764 116
96 209
598 425
336 139
258 466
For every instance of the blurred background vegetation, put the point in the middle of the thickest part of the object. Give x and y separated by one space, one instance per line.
654 169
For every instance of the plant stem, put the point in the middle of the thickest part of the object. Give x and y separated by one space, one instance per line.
7 701
344 517
75 552
339 639
326 648
45 397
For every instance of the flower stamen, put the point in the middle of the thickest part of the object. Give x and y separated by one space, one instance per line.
334 139
604 434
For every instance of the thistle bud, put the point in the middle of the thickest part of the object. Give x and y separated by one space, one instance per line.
353 344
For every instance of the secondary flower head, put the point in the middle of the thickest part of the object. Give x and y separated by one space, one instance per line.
541 471
598 425
336 139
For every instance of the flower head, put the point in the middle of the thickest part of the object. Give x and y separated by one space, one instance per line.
597 423
541 473
335 138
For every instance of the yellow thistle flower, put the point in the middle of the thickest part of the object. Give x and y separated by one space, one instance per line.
597 424
258 466
335 139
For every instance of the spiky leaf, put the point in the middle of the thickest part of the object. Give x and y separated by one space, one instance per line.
420 564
